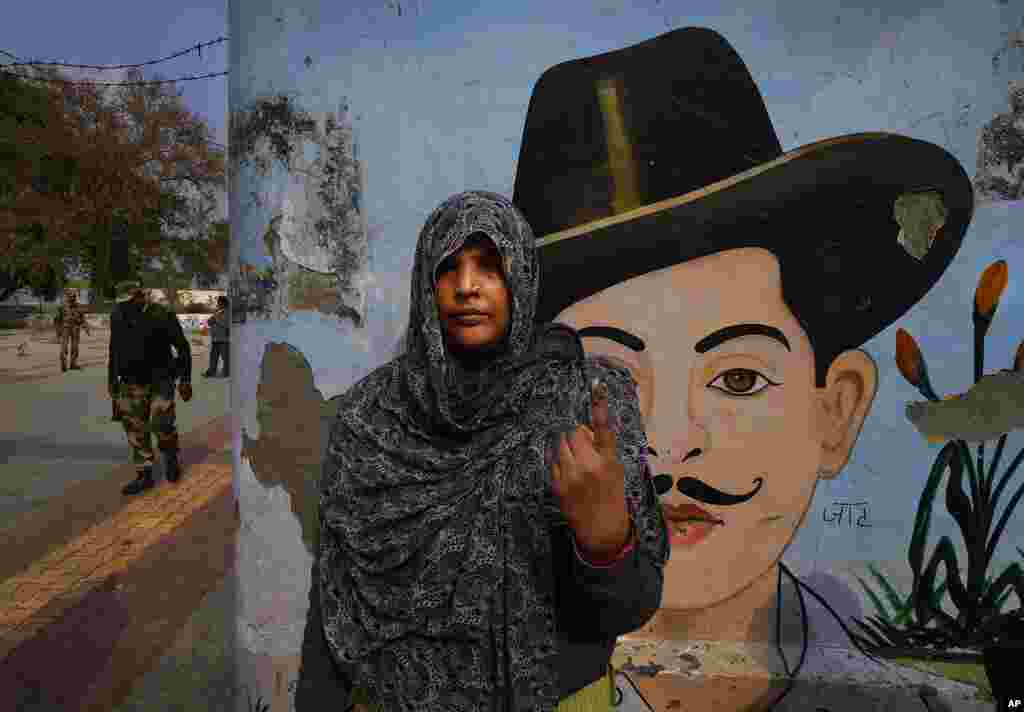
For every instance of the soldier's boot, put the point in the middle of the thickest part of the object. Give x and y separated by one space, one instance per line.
143 482
173 467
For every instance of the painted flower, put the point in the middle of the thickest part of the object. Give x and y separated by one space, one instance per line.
911 364
990 288
909 358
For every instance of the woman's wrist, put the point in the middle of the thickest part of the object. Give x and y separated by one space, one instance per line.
604 556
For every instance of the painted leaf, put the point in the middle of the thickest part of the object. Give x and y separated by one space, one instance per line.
927 611
957 503
1012 579
922 521
890 593
875 639
875 600
997 533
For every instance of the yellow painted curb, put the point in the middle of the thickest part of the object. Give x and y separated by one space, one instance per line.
102 551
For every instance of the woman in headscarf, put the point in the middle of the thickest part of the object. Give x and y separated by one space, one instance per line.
489 526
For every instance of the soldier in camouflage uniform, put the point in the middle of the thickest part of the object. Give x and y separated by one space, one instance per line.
142 372
70 321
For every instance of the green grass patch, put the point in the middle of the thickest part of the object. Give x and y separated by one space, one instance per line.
967 673
15 324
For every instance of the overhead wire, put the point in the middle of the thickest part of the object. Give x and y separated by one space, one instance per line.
198 48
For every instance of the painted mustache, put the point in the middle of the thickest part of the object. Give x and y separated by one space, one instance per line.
703 492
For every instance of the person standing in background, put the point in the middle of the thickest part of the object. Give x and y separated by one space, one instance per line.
220 340
70 321
141 374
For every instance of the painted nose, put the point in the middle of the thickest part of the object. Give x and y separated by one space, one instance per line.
663 481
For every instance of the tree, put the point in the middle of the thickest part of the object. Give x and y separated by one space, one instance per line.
126 158
31 265
209 260
21 105
24 263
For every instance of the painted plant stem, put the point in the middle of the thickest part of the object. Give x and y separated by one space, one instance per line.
994 466
978 597
1010 506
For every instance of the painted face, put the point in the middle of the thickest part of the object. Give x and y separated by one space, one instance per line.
733 423
472 298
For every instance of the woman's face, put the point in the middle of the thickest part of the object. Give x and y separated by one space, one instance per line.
472 298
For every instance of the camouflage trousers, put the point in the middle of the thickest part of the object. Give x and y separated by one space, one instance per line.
69 339
145 411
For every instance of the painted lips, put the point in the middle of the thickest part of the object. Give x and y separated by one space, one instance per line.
689 524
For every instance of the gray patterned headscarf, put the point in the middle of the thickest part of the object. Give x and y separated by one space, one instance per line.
438 589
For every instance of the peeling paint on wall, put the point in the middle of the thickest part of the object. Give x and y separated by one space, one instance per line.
318 238
1000 174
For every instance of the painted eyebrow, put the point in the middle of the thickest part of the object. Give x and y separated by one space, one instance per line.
717 338
630 341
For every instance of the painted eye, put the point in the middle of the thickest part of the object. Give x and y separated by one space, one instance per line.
740 382
662 484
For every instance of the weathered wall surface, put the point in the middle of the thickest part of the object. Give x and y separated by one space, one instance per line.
359 120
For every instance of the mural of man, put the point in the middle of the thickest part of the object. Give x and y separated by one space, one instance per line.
736 283
70 321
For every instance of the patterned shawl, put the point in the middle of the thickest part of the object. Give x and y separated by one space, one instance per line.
438 588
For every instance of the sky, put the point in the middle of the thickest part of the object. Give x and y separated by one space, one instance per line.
122 32
439 95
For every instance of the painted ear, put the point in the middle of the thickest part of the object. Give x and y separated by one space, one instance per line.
849 391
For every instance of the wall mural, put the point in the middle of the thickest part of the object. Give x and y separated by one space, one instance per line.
822 322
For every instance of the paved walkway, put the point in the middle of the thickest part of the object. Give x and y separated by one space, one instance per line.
83 621
105 549
95 587
57 430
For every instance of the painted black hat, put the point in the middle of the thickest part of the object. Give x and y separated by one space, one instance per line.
662 152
